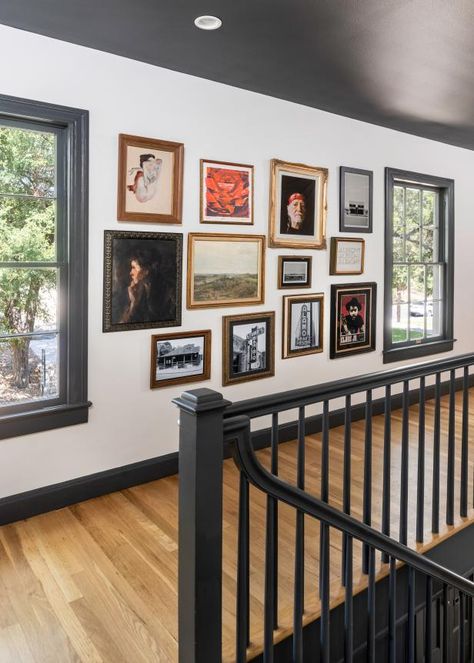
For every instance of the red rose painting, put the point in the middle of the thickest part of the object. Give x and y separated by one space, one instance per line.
226 193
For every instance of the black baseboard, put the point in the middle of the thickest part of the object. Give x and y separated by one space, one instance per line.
57 496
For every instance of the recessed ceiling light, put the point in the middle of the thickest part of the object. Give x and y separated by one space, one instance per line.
208 22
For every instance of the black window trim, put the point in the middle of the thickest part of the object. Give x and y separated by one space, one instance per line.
391 352
74 406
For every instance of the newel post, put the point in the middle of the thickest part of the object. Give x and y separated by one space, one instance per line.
201 442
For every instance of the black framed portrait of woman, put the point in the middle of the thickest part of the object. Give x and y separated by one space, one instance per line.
142 280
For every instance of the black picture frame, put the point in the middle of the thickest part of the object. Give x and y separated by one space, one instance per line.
353 341
294 283
156 297
356 210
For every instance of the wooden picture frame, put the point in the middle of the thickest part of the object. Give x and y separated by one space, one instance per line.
142 280
150 180
180 364
294 275
353 318
225 270
347 256
298 206
303 325
355 200
244 345
226 193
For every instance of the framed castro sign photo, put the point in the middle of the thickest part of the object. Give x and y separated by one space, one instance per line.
353 309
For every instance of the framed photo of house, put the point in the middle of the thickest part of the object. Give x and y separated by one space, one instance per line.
353 311
347 255
226 193
180 358
355 205
225 270
298 206
248 347
142 280
303 324
294 271
150 180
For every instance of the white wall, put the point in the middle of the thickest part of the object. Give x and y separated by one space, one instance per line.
128 421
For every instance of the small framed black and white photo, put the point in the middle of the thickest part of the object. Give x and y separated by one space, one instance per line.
248 348
179 358
303 324
355 206
294 271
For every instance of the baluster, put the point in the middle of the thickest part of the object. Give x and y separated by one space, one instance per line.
271 556
299 548
436 456
274 470
404 467
346 489
392 612
324 585
465 442
387 434
411 615
446 651
451 449
348 604
462 632
429 621
367 507
242 613
420 493
324 479
371 607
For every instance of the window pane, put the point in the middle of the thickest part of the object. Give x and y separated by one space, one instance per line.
28 300
417 283
433 318
399 323
417 320
29 369
430 207
398 206
434 276
27 230
413 209
429 249
400 284
27 162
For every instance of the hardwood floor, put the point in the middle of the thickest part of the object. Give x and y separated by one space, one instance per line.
96 582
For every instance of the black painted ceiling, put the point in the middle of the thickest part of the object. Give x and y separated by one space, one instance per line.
406 64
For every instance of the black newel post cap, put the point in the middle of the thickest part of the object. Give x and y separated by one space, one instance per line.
201 400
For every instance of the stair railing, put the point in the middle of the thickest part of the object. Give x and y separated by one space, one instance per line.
208 423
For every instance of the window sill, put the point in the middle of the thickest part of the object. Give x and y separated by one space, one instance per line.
415 351
47 418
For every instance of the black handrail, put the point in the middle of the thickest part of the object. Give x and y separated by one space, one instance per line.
237 430
288 400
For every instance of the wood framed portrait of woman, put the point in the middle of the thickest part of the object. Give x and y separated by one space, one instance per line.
142 280
150 177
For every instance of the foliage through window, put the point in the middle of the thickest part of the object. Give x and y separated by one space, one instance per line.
43 265
418 263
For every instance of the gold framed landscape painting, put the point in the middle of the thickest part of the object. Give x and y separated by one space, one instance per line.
226 193
298 206
150 180
225 270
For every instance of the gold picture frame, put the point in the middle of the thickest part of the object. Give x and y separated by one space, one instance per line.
346 258
226 193
303 324
150 180
248 349
298 206
225 270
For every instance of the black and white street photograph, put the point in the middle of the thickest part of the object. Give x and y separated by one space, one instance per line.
180 358
356 200
248 347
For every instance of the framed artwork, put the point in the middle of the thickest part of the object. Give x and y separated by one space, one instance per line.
303 324
353 310
150 180
355 205
347 255
225 270
298 206
226 193
142 280
248 348
180 358
294 271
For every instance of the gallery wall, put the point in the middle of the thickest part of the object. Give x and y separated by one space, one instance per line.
129 422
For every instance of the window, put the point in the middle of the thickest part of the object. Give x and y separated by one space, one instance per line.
43 266
419 252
